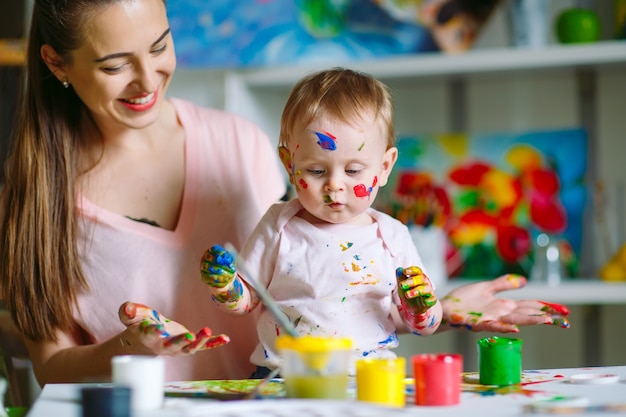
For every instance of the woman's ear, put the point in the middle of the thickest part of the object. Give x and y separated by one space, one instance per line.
54 62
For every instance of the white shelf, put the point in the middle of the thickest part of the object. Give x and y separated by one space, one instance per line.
571 292
472 62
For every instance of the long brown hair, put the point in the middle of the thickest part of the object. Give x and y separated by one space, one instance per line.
40 272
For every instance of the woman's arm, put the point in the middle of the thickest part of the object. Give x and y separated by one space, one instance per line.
73 358
68 359
476 308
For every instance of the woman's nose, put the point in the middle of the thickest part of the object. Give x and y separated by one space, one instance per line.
146 77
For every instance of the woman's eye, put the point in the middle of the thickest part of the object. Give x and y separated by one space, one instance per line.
113 70
159 50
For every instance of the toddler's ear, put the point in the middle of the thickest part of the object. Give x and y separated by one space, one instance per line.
285 158
389 160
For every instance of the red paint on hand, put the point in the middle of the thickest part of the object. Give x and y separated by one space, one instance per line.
555 308
217 341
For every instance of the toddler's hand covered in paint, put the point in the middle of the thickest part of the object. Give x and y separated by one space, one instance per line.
416 289
149 331
217 267
475 307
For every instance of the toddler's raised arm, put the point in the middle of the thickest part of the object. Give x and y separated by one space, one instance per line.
230 292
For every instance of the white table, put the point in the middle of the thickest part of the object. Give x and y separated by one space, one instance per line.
63 400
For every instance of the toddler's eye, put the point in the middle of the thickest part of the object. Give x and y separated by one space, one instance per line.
315 171
352 171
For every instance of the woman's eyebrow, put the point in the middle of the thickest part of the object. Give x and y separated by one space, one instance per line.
121 54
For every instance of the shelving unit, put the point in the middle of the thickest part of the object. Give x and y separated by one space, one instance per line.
12 60
441 89
569 292
557 86
12 52
259 94
470 63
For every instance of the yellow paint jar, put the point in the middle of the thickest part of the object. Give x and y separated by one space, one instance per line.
314 367
381 381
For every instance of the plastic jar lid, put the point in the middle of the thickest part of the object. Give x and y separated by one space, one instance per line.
313 343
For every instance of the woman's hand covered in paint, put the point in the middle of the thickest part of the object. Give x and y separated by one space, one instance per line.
417 294
217 267
475 307
149 331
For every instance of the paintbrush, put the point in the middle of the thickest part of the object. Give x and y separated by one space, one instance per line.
264 296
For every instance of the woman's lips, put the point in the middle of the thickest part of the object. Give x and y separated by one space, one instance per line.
140 104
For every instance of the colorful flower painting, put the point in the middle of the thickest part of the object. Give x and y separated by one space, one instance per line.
493 194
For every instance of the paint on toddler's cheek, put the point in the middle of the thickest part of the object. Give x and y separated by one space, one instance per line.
362 191
327 199
326 141
296 174
303 183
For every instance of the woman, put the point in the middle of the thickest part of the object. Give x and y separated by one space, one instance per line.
113 192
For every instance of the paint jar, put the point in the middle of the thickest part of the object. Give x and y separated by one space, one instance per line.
314 367
381 381
437 378
144 375
106 401
500 360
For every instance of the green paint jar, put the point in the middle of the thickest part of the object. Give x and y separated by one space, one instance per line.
500 360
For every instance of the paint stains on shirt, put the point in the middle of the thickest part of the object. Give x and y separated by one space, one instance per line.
345 246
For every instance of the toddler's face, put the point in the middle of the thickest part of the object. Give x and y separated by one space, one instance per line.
337 168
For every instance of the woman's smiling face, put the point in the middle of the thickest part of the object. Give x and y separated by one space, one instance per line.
123 68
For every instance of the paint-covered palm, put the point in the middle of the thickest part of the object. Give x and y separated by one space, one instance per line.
217 267
148 331
475 307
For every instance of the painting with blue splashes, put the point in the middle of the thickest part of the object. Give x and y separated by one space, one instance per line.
257 33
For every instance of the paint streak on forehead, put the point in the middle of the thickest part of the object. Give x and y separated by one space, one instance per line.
326 141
